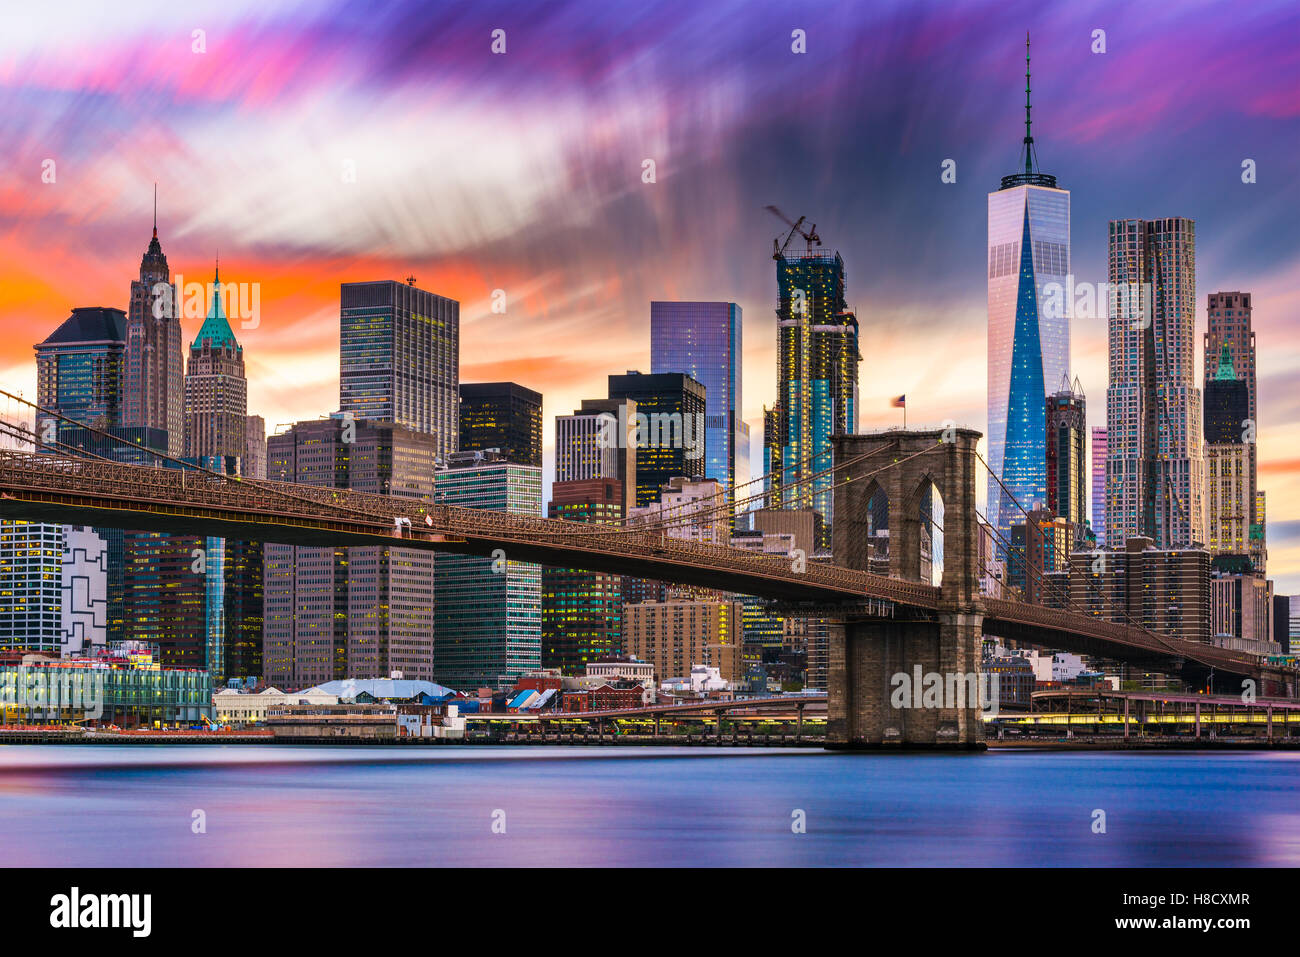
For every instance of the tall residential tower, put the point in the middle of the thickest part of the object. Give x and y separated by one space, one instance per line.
1155 465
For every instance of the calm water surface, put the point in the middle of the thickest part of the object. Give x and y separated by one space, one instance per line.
304 806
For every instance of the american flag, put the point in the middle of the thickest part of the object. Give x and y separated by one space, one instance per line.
900 402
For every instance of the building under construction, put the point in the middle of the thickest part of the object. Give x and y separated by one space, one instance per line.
817 376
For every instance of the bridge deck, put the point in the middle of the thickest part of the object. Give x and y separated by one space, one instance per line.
41 487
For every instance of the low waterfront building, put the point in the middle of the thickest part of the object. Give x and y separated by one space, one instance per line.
703 681
235 706
121 684
1015 680
333 721
430 720
378 689
613 696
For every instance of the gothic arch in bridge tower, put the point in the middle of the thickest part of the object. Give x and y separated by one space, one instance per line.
928 480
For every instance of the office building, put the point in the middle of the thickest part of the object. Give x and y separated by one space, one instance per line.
1229 324
60 585
668 427
488 629
1040 550
1155 467
359 612
1098 515
79 369
598 442
1028 328
692 510
1241 606
582 611
817 381
153 392
1286 623
399 358
1165 590
703 339
676 635
216 390
1258 545
1230 503
503 416
254 447
53 588
1067 464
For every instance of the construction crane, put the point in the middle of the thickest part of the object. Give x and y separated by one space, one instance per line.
810 235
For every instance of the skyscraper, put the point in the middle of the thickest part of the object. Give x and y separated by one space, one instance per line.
1155 468
360 612
488 627
594 443
1067 475
399 355
79 368
504 416
216 391
668 430
255 447
582 611
216 419
1099 483
1228 494
1028 342
61 585
817 381
153 390
703 339
1229 316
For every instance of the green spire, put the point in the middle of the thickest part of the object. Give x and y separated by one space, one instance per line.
215 326
1226 371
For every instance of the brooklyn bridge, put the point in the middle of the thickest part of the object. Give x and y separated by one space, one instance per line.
881 624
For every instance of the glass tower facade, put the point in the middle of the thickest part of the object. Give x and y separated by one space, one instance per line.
1028 344
504 416
670 406
703 339
488 611
399 355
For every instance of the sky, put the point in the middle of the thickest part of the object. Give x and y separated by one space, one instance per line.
309 144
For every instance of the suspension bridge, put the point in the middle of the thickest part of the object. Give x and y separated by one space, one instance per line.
882 624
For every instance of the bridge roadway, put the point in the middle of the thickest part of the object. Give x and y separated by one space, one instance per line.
75 491
774 702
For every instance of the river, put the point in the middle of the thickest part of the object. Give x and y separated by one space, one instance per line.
253 805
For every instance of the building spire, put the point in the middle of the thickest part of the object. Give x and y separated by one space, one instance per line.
1029 136
155 210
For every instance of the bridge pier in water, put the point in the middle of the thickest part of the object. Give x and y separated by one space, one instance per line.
876 663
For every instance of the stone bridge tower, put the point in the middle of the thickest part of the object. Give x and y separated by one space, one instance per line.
876 663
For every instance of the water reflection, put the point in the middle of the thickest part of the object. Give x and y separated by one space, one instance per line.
270 805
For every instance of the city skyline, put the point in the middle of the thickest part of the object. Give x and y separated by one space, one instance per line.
293 356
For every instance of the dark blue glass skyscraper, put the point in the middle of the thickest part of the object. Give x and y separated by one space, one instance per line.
703 339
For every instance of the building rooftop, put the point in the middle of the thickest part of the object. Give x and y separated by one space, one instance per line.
90 324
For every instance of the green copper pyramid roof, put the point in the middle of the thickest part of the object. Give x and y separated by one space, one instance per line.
215 326
1226 371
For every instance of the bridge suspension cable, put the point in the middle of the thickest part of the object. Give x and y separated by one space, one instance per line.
1123 612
